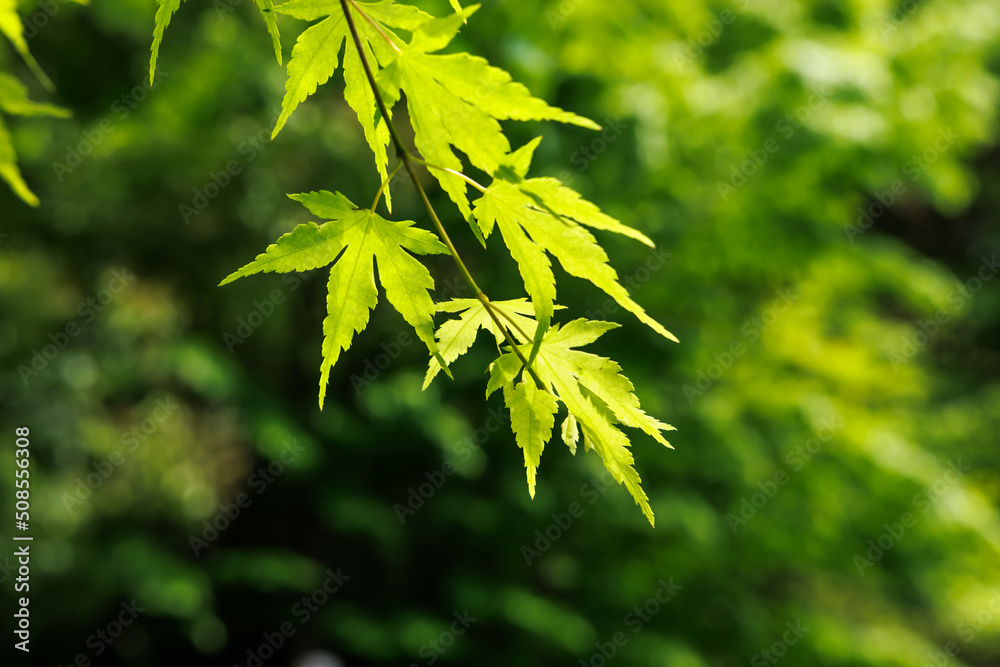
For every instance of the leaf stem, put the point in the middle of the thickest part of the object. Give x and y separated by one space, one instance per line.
465 178
381 188
407 161
374 25
510 319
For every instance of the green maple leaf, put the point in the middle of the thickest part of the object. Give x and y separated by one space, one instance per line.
457 100
456 336
540 215
596 395
316 57
356 240
164 12
570 432
266 8
532 416
14 101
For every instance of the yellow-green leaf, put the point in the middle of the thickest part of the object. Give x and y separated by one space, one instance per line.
532 415
357 240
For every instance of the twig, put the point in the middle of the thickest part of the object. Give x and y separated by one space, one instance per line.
407 161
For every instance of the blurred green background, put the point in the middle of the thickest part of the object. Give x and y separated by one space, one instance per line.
821 179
